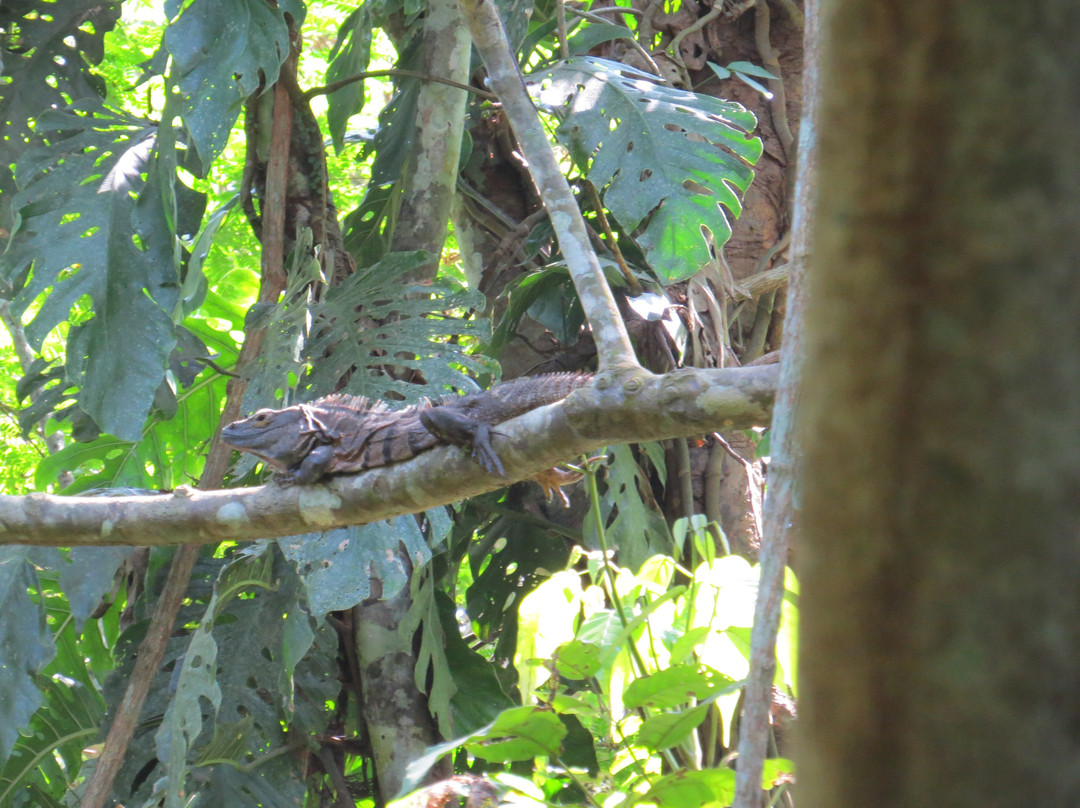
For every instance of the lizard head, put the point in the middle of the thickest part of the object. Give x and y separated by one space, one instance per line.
282 438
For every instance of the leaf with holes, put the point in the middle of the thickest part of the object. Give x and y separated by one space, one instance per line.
94 228
221 55
669 161
48 47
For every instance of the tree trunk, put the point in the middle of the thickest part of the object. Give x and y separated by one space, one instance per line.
941 615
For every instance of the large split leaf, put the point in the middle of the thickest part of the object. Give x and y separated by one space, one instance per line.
95 230
404 326
223 681
337 566
668 160
47 49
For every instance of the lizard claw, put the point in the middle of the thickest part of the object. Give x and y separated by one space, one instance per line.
485 454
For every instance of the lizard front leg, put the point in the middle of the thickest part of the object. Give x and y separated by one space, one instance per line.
461 430
312 468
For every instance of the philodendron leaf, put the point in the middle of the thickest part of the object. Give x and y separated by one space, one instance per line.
668 159
92 225
676 685
670 729
708 788
519 733
221 54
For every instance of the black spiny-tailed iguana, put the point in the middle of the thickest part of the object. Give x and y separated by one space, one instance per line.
342 434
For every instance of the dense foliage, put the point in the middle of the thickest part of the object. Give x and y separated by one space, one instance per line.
588 656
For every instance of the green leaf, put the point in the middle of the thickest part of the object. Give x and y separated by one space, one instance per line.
776 771
676 685
67 722
589 36
520 733
577 660
671 155
751 69
721 72
480 693
757 85
88 576
409 328
92 226
221 53
683 647
578 747
670 729
638 530
710 788
336 567
25 642
350 55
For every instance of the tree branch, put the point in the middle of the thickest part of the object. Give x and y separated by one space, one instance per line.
619 407
612 342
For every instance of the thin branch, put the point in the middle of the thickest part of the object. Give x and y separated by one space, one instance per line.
592 16
612 240
152 649
326 89
770 59
560 20
781 515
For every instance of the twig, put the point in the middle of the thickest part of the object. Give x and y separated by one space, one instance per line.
326 89
591 16
771 60
697 25
612 242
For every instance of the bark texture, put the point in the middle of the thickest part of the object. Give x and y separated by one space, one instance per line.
940 613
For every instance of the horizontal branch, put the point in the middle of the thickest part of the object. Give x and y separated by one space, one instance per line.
627 405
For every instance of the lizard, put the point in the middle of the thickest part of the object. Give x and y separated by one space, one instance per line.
345 434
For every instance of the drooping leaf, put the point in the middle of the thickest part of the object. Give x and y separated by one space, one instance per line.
481 694
92 227
25 642
221 51
666 159
88 576
350 56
